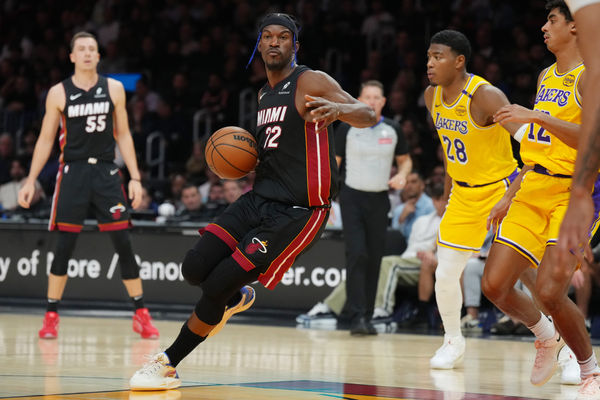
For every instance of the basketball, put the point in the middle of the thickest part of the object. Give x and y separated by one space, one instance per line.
231 152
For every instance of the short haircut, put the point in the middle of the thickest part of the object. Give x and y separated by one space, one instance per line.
562 8
436 190
457 42
80 35
372 82
189 185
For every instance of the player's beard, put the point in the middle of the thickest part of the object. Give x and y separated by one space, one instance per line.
278 65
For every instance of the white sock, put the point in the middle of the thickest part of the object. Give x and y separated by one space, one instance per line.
448 295
588 367
543 329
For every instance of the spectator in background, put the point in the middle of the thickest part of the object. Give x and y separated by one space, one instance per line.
9 191
192 208
195 166
112 61
397 106
178 182
144 93
18 94
232 190
415 202
215 99
212 179
216 202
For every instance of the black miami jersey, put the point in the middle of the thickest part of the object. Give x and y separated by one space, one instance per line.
297 164
87 123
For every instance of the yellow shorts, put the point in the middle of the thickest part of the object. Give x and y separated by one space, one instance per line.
534 218
463 226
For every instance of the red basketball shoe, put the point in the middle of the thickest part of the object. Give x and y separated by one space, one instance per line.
142 324
50 326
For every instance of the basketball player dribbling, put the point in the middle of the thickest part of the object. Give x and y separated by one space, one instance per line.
91 111
260 235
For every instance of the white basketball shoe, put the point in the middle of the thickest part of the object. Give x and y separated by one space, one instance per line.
156 374
450 354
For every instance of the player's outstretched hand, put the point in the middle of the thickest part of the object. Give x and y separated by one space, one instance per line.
323 112
135 193
573 237
26 194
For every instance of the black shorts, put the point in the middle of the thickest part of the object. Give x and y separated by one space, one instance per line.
81 184
268 235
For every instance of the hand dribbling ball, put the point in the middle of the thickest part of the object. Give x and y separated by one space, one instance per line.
231 152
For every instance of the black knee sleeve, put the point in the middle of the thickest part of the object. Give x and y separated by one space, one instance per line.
64 251
122 243
203 258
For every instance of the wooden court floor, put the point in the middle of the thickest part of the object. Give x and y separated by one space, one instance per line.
93 358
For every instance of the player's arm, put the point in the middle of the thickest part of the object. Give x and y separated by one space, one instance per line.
567 132
499 211
326 101
55 102
487 101
125 141
404 163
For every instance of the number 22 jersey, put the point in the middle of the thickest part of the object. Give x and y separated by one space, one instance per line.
297 164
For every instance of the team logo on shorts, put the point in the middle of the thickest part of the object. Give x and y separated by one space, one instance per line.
257 244
117 210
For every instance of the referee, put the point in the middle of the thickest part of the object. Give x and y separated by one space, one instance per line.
368 155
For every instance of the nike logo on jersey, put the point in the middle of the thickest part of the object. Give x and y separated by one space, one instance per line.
75 96
114 171
261 96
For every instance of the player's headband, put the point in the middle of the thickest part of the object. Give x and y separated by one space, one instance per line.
279 19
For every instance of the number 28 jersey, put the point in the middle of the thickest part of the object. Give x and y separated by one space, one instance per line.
297 164
87 123
475 154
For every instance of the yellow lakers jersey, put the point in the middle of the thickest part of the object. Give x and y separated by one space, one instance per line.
475 154
558 96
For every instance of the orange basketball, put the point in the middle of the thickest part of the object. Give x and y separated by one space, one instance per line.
231 152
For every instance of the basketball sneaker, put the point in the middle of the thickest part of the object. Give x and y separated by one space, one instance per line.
320 314
142 324
156 374
470 324
546 359
50 326
245 303
569 368
450 354
590 388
